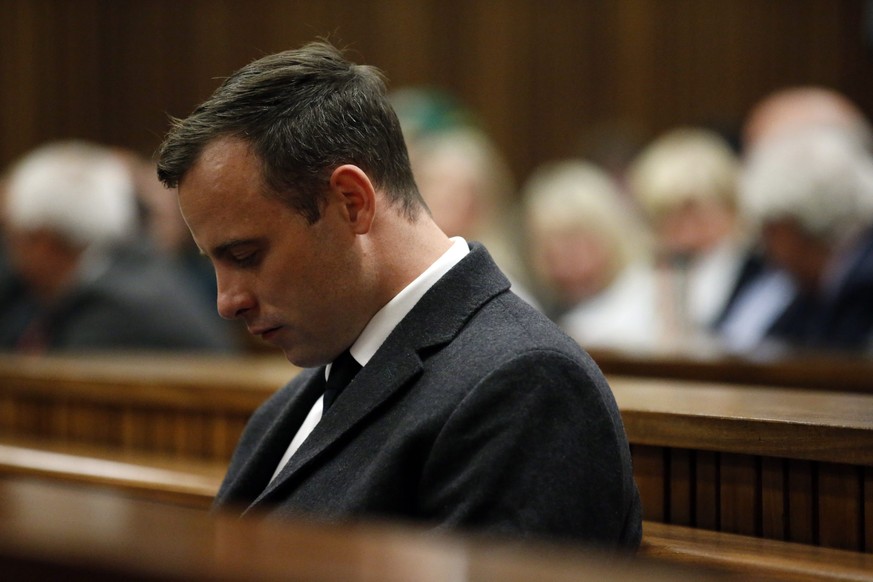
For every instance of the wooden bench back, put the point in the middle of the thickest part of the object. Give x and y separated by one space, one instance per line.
777 463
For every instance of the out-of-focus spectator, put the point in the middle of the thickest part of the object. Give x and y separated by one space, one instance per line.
463 177
811 193
591 254
685 181
71 237
765 289
794 109
162 224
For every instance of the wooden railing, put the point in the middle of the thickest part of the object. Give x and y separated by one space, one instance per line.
53 532
776 463
835 372
183 406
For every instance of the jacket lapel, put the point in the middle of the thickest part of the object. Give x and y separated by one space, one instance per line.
435 320
263 457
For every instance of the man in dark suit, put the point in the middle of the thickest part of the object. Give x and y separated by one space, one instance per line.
811 192
471 410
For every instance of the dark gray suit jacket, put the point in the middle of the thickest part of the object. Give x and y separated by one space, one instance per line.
476 413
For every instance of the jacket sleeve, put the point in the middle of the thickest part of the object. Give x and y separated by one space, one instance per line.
536 448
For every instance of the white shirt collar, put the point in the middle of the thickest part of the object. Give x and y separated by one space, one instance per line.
387 318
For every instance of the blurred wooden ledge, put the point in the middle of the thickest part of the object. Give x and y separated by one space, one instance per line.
188 405
189 482
750 557
777 463
774 463
51 532
835 371
193 484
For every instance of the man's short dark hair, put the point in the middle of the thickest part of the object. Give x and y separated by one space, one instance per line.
305 112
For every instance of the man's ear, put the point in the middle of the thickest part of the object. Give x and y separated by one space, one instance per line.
353 187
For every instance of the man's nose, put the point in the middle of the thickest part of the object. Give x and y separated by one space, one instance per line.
234 298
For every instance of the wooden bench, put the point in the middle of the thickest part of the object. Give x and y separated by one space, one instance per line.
194 484
190 482
783 464
751 557
189 406
834 372
102 536
776 463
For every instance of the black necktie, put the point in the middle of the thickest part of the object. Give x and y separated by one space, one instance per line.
342 371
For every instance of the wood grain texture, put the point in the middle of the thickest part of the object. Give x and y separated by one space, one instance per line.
542 77
105 536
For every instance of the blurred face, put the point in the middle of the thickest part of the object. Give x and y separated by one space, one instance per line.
788 246
293 284
43 261
576 265
449 187
695 227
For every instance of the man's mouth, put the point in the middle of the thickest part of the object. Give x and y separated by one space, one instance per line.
265 333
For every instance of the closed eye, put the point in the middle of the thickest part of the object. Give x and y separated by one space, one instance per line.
249 259
240 253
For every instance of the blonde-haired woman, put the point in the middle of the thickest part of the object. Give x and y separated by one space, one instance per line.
590 255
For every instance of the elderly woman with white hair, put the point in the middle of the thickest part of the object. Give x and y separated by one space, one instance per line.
590 254
70 226
811 195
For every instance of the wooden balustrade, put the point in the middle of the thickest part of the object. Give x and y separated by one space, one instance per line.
836 372
51 532
776 463
185 406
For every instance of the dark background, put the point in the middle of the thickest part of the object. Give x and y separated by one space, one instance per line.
544 75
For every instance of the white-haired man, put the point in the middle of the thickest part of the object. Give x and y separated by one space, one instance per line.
811 192
70 222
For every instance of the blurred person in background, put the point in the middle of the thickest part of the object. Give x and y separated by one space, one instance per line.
70 231
765 289
162 224
464 178
590 253
811 194
794 109
685 181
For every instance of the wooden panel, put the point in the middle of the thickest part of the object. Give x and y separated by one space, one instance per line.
774 501
868 509
753 558
109 537
650 473
739 494
539 74
778 422
707 491
828 372
682 498
802 505
840 513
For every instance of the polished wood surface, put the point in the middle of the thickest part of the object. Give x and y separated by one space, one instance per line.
189 482
772 462
189 485
753 557
50 532
836 372
775 463
187 406
784 422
